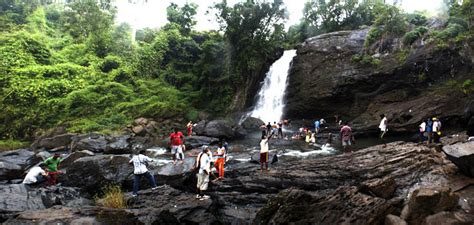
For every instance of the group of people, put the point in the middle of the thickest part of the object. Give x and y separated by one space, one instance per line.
47 171
430 130
273 129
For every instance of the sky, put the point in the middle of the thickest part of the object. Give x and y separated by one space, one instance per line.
152 13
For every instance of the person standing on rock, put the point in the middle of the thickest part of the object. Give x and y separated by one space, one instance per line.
140 163
220 161
189 128
177 140
422 131
429 129
52 164
347 138
383 128
264 152
280 129
436 130
269 128
36 175
274 128
203 167
317 124
263 128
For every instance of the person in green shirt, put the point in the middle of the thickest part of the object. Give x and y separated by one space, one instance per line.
52 164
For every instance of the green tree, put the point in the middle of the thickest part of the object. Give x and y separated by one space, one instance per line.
183 16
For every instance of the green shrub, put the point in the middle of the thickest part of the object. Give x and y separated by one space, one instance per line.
416 18
468 86
414 35
451 31
374 34
10 144
112 197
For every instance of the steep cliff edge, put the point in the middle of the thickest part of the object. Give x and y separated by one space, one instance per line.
333 74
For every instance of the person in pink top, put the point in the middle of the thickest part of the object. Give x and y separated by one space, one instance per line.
347 138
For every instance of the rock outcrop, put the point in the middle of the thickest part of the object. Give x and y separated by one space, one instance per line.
14 163
328 79
219 129
462 154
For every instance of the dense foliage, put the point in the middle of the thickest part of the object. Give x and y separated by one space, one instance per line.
70 64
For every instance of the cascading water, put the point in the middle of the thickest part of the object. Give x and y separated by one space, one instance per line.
269 107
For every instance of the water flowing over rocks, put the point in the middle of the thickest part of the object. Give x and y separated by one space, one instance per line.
325 80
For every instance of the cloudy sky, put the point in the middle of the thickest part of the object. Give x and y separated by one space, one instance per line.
152 13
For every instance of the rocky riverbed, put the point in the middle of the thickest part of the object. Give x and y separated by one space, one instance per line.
402 183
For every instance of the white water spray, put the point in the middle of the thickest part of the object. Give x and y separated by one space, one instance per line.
269 107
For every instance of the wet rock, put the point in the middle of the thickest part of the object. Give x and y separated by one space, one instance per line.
394 220
383 188
239 132
425 201
91 173
13 163
198 141
454 139
55 141
252 123
462 155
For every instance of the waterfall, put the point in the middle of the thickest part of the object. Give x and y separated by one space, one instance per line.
269 107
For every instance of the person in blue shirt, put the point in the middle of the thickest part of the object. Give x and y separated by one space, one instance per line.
316 126
429 129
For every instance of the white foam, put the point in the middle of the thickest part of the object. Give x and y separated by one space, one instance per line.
325 150
157 151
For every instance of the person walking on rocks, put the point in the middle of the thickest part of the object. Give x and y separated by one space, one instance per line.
140 163
422 129
177 140
36 175
274 128
383 128
220 161
264 152
347 138
203 167
317 125
52 164
280 129
429 129
436 130
189 128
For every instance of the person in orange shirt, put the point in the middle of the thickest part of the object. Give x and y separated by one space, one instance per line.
220 161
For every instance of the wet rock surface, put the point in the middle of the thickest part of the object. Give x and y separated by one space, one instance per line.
14 163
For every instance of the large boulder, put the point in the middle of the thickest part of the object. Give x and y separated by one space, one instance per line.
428 201
91 173
16 198
54 141
69 159
14 163
118 145
198 141
91 142
215 128
462 155
252 123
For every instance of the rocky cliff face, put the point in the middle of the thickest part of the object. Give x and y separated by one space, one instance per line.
330 77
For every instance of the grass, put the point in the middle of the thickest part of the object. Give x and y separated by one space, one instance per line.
113 198
10 144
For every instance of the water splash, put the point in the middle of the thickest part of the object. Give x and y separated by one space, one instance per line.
270 103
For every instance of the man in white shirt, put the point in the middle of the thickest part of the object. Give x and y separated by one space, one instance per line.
36 175
422 131
436 130
203 163
140 163
383 127
264 152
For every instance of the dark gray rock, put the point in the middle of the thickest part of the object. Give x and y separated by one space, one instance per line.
69 159
55 141
214 128
91 173
14 163
198 141
462 155
91 142
118 145
252 123
239 132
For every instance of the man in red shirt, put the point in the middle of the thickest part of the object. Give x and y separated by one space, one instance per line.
346 137
177 140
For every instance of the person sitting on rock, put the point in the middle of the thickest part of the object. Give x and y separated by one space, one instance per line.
264 152
220 161
346 137
177 140
140 162
203 167
36 175
52 164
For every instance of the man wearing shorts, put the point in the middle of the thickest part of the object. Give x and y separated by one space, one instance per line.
346 137
264 152
177 140
203 164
